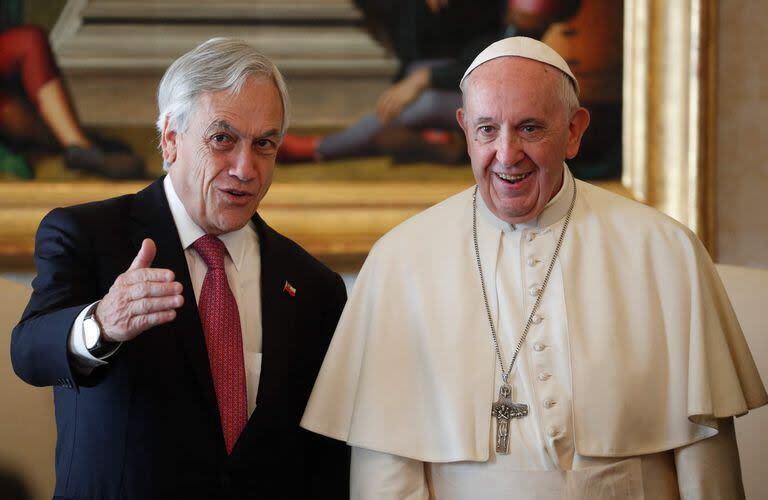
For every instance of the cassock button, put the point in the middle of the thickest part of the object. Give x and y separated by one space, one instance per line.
544 376
538 347
536 319
549 403
532 261
530 236
534 290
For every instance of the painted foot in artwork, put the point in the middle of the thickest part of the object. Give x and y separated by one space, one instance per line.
117 165
297 148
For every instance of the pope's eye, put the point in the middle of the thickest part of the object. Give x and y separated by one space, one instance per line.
486 129
531 129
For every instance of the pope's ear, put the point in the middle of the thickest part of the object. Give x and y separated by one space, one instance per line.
576 128
168 141
460 116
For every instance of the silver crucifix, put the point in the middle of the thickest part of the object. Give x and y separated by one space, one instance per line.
505 409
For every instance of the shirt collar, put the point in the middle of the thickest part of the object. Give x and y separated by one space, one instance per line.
189 231
553 211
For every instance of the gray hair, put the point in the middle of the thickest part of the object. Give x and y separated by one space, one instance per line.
566 91
220 64
567 94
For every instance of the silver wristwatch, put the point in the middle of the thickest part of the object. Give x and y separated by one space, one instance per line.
92 335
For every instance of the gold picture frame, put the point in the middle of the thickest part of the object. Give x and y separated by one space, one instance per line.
668 154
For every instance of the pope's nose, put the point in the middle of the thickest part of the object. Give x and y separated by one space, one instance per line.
509 150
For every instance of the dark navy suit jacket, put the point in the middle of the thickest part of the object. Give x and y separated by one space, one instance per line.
147 424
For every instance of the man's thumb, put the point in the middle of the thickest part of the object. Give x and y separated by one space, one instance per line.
145 256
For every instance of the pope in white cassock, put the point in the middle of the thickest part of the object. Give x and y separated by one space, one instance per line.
536 336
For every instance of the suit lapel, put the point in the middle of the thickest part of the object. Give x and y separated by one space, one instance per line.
278 310
279 349
152 218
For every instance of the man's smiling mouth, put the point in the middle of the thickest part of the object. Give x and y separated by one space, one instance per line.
513 179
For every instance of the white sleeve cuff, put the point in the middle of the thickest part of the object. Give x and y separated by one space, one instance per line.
82 360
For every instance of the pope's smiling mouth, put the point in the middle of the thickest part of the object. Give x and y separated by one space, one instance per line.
513 179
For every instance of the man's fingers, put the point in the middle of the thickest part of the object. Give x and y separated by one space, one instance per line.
137 316
151 305
145 256
144 289
146 274
147 321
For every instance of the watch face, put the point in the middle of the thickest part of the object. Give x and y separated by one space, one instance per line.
91 333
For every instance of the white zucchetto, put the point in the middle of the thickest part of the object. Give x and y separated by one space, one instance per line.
521 46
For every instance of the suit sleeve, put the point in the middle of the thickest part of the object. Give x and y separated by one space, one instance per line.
62 288
330 474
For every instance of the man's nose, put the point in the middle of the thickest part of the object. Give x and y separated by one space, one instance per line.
509 150
244 164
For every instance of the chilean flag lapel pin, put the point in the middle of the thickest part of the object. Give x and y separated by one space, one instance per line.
290 289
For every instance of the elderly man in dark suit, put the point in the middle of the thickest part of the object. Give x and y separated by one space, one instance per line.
182 334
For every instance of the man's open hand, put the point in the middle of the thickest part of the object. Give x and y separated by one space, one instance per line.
140 298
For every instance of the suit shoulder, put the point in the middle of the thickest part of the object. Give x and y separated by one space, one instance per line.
95 212
298 256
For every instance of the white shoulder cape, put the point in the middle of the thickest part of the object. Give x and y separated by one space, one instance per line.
656 351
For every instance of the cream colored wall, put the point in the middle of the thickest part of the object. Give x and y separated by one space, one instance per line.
742 134
27 428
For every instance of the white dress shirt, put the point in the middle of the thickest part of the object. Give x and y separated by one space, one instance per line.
243 267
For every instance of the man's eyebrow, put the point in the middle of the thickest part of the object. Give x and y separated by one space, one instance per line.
226 126
270 133
532 121
223 125
483 119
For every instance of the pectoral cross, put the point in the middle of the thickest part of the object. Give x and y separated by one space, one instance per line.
504 409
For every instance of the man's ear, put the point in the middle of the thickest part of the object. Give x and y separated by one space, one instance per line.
460 116
576 128
168 141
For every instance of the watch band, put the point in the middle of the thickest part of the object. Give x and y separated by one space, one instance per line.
101 349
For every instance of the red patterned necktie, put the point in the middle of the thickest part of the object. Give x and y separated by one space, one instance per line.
223 338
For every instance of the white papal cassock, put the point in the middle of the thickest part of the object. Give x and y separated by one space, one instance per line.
634 354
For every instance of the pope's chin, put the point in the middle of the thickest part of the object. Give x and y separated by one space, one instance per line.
514 203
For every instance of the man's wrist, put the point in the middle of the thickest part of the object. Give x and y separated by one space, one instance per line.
93 334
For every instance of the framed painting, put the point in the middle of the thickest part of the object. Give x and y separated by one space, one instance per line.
666 92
